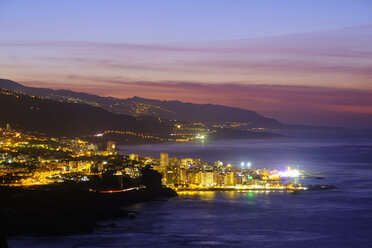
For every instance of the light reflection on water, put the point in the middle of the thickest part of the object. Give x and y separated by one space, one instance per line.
230 195
334 218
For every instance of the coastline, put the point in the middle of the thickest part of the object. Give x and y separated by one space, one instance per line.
66 210
285 189
231 134
235 189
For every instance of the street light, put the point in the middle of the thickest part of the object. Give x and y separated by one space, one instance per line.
242 164
249 164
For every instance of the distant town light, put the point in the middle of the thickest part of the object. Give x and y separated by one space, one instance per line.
289 173
200 136
84 179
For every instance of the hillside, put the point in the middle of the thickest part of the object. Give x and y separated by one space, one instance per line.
55 118
206 113
136 106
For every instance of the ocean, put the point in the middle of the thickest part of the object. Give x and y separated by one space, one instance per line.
340 217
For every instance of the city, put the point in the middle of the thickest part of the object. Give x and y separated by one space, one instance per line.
188 123
29 159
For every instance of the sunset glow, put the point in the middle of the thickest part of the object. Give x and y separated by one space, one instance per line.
232 56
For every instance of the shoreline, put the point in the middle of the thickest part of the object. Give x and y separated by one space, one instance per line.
286 189
66 210
234 189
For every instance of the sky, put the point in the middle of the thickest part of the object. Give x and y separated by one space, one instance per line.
301 62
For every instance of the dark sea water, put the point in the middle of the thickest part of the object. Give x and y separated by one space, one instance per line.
340 217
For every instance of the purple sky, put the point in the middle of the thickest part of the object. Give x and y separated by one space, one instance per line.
302 62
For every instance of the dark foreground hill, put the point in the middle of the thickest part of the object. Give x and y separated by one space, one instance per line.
136 106
74 207
55 118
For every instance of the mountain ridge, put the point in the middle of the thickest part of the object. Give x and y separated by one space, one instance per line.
36 114
138 106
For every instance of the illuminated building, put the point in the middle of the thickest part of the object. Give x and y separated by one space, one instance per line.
173 161
73 164
92 147
157 168
171 175
183 176
185 162
198 162
84 165
218 164
229 179
96 167
206 178
164 159
111 146
133 157
179 174
132 172
193 178
219 179
238 180
289 172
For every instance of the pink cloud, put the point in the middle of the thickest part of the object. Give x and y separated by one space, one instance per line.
314 78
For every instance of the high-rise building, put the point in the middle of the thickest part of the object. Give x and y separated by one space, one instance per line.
229 179
173 161
219 179
111 146
164 159
198 162
193 177
183 175
206 178
171 175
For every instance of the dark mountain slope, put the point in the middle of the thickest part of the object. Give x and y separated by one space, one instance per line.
68 119
206 113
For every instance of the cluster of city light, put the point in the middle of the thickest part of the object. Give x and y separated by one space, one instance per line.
200 136
50 169
249 164
200 176
144 108
289 172
144 136
182 173
38 178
